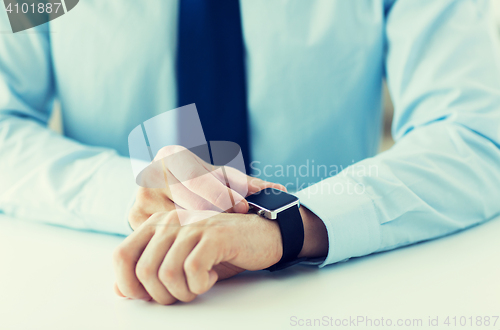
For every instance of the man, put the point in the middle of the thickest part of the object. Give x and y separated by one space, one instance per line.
314 71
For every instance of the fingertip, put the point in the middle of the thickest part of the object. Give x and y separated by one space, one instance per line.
200 287
212 278
279 187
117 291
241 207
276 186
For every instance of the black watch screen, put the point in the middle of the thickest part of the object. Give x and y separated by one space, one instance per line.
271 199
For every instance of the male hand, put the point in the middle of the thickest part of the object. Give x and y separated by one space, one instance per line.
165 261
192 184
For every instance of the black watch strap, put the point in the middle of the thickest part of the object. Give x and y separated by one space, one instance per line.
292 235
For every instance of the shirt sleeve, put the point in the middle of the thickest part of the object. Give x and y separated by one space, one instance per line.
44 176
443 174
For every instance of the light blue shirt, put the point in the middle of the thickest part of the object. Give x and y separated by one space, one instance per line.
315 71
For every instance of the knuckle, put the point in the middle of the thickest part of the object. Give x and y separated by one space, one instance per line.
168 224
163 229
172 218
170 150
143 194
164 151
151 177
148 224
188 234
121 254
167 276
163 216
144 271
191 266
135 220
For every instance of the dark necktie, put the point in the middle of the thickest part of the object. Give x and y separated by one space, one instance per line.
211 69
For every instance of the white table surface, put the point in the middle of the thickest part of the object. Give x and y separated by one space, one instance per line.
57 278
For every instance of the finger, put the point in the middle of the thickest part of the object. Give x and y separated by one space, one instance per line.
176 155
179 153
246 185
235 179
236 182
171 272
117 291
199 267
201 182
243 185
231 180
125 259
214 170
148 266
186 199
256 185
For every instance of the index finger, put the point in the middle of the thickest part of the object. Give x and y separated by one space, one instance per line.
185 167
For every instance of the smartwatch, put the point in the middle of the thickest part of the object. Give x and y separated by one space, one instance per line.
282 207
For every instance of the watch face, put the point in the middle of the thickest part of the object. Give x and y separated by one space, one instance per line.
271 199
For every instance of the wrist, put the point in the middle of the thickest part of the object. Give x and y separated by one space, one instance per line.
276 239
268 236
315 235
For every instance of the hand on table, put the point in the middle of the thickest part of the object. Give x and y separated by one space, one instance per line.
165 261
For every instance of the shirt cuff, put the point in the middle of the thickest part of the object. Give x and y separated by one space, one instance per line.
348 214
111 196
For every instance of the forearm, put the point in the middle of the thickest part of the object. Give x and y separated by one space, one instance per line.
416 191
52 179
